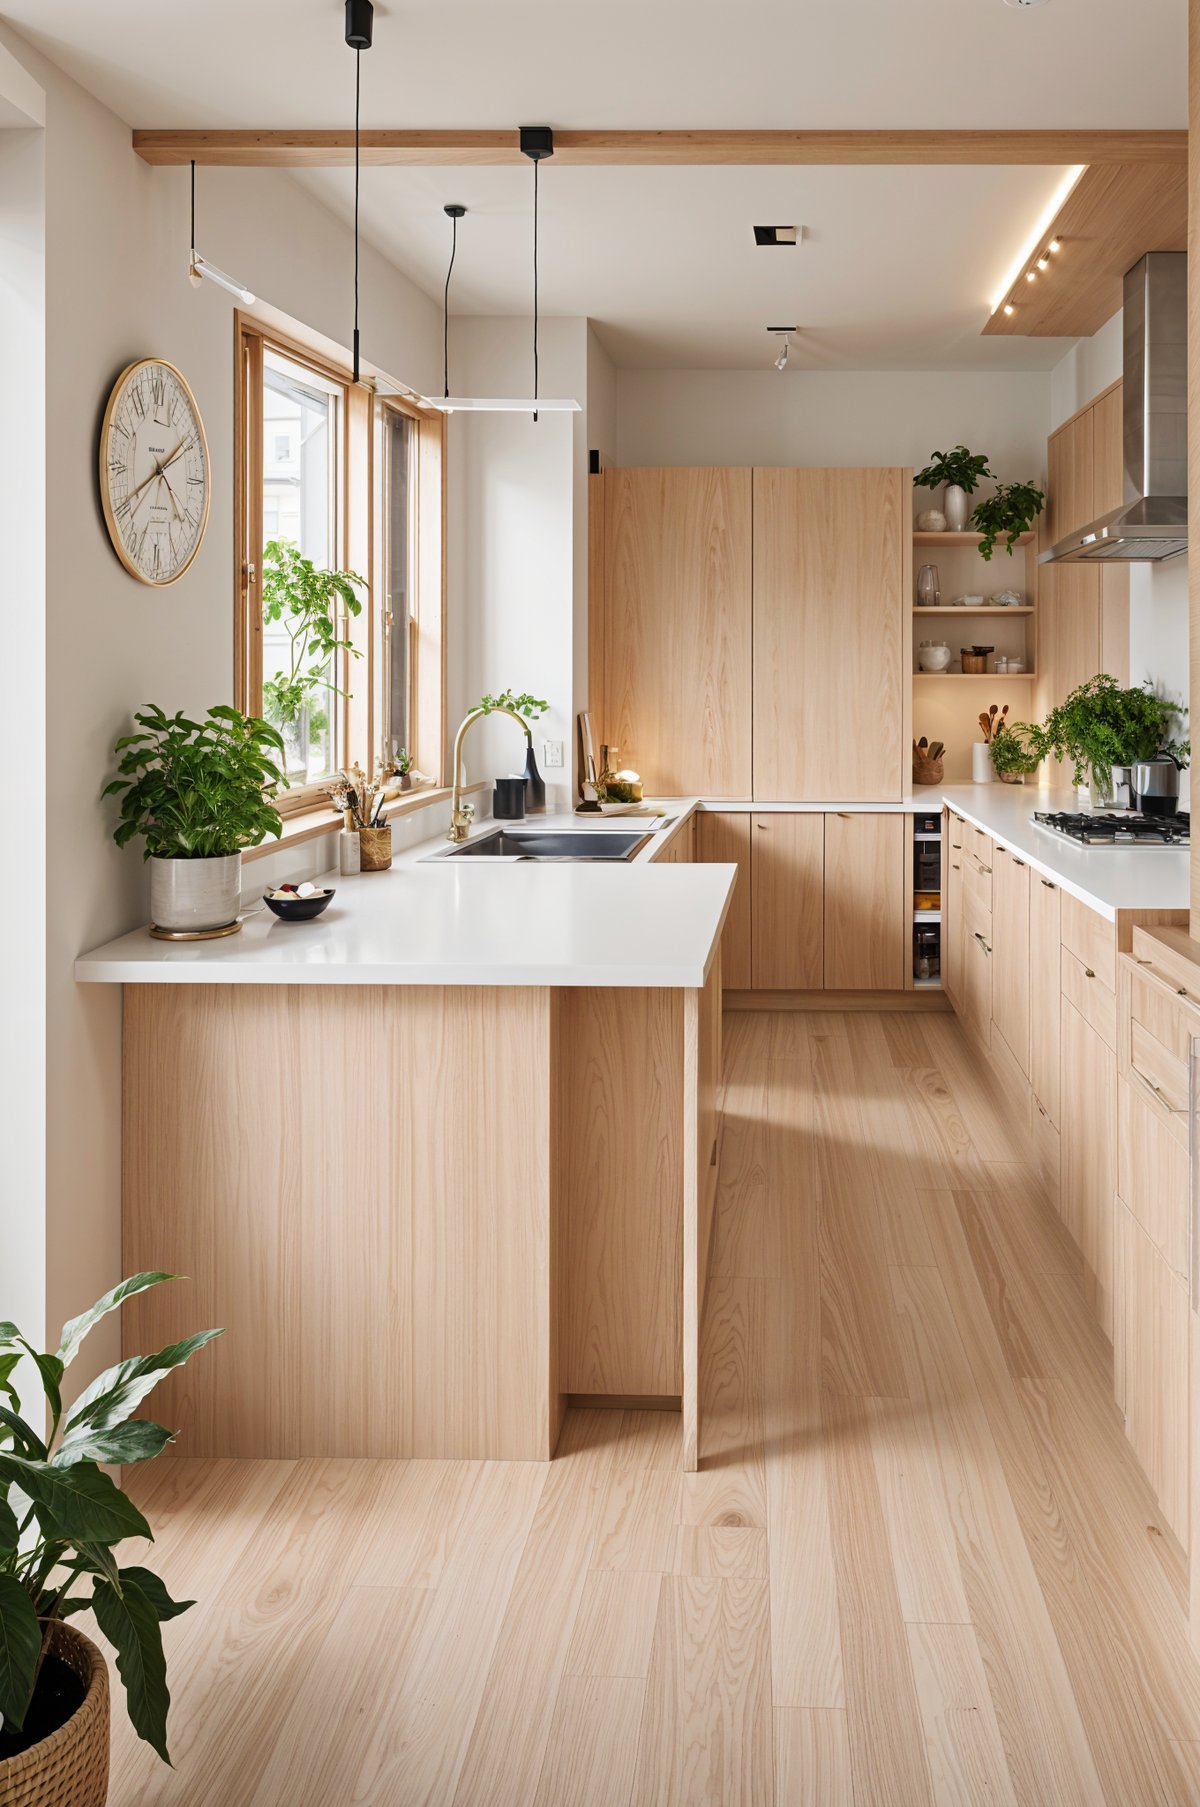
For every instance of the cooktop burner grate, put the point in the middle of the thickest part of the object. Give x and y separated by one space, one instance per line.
1123 829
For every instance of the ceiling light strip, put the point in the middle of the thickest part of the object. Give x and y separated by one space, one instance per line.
1036 239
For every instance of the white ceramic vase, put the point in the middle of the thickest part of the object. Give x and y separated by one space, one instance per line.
982 769
956 506
192 895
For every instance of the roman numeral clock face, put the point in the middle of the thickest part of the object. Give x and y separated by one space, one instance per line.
154 477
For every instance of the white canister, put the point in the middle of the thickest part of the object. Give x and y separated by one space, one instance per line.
349 853
982 769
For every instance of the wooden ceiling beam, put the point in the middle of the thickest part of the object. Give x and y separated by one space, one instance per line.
335 149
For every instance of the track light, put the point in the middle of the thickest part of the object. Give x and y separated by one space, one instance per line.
1054 245
781 360
784 333
1009 308
199 267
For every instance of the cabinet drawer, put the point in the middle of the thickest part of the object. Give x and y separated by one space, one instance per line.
977 879
1093 1000
980 844
1156 1009
1152 1175
1156 1364
1091 939
1044 1137
956 829
1159 1071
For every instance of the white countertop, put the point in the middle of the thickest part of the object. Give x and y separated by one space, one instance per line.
1106 878
463 922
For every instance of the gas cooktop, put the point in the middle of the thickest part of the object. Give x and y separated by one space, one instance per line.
1119 829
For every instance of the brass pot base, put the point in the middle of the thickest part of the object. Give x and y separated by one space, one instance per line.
227 928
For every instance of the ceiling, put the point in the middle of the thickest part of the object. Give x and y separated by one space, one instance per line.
897 264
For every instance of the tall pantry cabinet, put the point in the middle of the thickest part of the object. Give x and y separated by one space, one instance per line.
747 633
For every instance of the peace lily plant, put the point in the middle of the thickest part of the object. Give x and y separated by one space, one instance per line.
62 1519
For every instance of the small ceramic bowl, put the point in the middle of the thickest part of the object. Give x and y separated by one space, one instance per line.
298 909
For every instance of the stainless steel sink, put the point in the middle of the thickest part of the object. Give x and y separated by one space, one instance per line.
548 844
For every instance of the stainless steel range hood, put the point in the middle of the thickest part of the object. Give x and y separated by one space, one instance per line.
1151 523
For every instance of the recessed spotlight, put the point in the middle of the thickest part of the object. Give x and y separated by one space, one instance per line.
778 235
1043 263
1054 245
1009 308
1031 275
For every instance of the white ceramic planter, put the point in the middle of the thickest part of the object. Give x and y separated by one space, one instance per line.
957 508
195 894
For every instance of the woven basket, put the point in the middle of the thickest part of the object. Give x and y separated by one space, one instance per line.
70 1768
927 771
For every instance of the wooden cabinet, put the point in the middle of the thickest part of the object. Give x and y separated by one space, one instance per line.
787 887
1045 1016
1153 1340
678 846
975 984
952 828
1088 1153
1010 953
1108 452
1069 459
866 902
673 633
723 839
832 550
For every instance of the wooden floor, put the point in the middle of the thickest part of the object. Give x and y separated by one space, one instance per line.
919 1563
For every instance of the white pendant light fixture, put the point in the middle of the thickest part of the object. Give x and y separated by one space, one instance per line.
360 17
199 267
537 142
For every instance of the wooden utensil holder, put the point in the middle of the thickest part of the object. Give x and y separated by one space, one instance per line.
376 848
927 771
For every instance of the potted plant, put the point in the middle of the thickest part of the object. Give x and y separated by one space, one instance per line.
530 707
304 598
61 1520
1017 749
1011 511
1102 727
961 471
402 762
196 792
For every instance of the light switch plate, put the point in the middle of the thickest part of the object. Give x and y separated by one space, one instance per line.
552 753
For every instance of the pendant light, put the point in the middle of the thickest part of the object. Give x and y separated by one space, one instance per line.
200 267
360 16
537 142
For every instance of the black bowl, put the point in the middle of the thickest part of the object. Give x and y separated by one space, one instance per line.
298 909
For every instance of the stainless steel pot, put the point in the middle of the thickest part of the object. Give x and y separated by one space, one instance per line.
1154 786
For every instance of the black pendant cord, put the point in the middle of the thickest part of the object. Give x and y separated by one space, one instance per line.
357 96
193 207
535 286
446 304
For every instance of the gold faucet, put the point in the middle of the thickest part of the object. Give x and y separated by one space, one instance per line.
463 814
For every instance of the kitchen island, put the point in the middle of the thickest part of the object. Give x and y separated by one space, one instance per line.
439 1161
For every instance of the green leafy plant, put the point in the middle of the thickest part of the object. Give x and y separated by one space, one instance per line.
62 1517
304 598
1101 725
1017 749
195 790
403 760
1011 511
967 469
529 706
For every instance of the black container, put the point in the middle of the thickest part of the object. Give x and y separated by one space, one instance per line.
535 785
508 800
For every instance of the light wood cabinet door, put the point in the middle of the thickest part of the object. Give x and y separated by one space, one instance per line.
832 557
975 1000
676 629
1108 452
1069 457
723 839
1045 1014
1074 605
1154 1342
787 887
867 914
951 904
1010 953
1089 1153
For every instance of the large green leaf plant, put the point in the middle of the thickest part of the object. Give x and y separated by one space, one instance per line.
302 598
62 1517
197 790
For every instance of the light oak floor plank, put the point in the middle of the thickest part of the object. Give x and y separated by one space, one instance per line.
918 1562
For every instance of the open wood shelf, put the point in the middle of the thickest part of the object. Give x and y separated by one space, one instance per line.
967 539
950 608
977 677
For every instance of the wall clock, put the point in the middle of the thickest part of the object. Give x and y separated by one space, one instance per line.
154 476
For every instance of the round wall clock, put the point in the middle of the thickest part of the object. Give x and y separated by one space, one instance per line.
154 477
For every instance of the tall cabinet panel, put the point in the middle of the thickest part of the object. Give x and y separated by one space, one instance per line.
866 893
787 891
831 681
676 628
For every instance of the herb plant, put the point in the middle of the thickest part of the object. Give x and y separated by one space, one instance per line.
1101 725
62 1516
304 599
1011 511
529 706
195 790
1017 749
959 466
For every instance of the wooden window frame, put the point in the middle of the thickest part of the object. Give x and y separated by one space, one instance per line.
360 548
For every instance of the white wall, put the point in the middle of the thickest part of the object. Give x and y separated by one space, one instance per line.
1158 594
116 289
831 417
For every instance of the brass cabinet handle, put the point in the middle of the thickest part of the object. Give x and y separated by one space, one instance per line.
983 944
955 868
761 827
1016 861
1048 885
1088 973
1175 1109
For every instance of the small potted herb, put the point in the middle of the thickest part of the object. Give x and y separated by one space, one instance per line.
304 599
1017 749
402 765
1011 511
1103 728
962 472
61 1521
197 792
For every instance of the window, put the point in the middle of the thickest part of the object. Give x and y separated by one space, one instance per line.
330 473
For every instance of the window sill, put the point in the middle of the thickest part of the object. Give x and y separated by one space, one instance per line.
308 824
